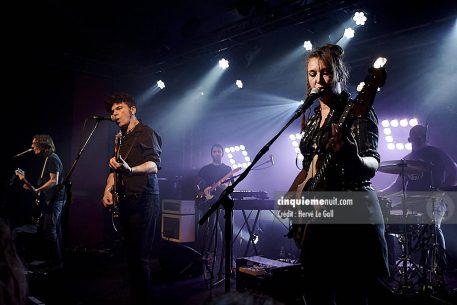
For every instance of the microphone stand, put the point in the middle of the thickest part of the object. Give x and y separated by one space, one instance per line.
228 203
66 183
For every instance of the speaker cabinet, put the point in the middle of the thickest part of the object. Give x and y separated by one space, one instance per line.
178 228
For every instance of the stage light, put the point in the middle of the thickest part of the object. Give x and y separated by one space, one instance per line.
359 18
233 154
349 33
408 146
399 146
403 122
385 123
394 123
391 146
239 84
389 139
360 86
413 122
295 141
223 63
387 131
308 45
380 62
160 84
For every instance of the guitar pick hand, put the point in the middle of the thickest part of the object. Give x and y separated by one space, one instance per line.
121 166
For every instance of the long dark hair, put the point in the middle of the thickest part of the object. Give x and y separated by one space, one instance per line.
332 56
45 143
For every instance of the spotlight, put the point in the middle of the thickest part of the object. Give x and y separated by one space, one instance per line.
403 122
359 18
239 84
360 86
160 84
380 62
394 123
223 64
413 122
234 152
385 123
387 131
391 146
400 146
349 33
408 146
308 45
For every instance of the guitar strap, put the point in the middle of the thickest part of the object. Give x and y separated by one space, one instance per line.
127 154
44 166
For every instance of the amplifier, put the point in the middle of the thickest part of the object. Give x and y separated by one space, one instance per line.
178 228
178 206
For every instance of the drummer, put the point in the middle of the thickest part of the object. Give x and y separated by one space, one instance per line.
440 171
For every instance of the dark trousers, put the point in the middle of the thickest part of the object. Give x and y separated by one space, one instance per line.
139 217
52 232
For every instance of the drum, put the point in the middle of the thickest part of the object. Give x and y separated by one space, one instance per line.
397 223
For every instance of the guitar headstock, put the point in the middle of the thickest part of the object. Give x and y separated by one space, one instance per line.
375 79
20 173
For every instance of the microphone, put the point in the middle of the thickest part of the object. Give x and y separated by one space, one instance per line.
102 118
272 161
21 153
314 94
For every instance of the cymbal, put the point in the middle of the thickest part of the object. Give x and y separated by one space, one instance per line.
404 166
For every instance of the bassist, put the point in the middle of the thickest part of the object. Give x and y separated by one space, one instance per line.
53 195
206 181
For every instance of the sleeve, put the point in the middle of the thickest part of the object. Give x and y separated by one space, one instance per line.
54 165
152 147
366 135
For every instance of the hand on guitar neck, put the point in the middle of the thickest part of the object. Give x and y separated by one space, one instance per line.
207 192
27 185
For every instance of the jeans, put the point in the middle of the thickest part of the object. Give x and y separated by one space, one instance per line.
52 232
139 215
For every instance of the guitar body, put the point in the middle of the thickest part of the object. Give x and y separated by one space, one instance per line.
117 189
207 193
39 205
315 178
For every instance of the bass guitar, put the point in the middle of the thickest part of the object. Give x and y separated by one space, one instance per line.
207 192
38 214
359 107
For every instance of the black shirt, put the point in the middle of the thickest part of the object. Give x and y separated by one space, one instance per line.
142 144
53 165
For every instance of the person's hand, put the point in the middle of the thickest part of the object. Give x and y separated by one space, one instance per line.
121 166
107 198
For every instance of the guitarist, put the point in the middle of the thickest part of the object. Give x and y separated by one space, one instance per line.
207 179
47 185
342 262
139 206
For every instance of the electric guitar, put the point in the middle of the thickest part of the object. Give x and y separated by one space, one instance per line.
116 189
38 198
359 107
206 194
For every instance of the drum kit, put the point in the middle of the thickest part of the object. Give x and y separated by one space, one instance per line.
420 263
